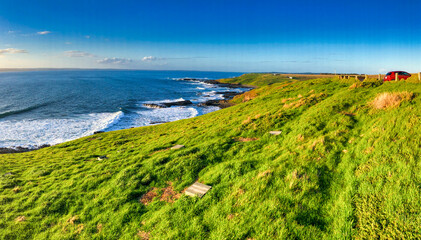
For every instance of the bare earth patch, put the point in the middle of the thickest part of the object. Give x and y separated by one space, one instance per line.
143 235
390 100
241 139
158 151
149 196
169 195
232 216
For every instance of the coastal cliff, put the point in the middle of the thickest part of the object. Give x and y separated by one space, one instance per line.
343 164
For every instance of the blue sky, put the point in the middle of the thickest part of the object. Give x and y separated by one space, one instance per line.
280 36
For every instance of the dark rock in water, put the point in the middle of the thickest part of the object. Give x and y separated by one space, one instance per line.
215 103
14 150
97 132
168 104
158 122
21 149
190 79
209 103
153 105
216 82
228 95
178 103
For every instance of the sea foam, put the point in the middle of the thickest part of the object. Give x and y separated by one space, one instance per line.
34 133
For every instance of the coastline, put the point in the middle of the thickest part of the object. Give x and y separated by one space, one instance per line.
222 103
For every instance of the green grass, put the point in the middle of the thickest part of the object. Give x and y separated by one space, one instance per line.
339 170
257 79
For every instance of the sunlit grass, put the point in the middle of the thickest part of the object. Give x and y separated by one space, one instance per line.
340 169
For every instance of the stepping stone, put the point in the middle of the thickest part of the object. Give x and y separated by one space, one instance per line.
275 132
102 157
197 190
177 146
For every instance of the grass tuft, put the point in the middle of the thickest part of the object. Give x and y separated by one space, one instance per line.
390 100
20 219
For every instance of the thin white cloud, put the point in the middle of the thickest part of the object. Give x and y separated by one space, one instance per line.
74 53
87 36
149 59
12 51
43 32
68 43
156 59
115 60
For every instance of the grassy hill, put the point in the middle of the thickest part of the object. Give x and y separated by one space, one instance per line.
345 166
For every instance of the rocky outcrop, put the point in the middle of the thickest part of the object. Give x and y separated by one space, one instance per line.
216 103
20 149
158 122
190 79
168 104
228 95
178 103
216 82
227 85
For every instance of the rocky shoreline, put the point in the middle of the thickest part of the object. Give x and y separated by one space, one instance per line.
20 149
168 104
216 82
224 103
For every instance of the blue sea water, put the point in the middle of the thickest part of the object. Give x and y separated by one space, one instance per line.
50 107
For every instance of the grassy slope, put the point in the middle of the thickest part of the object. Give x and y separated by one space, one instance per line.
256 79
339 170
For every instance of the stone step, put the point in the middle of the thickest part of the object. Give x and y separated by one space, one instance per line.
197 189
177 147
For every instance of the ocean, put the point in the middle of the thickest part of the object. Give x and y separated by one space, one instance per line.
51 107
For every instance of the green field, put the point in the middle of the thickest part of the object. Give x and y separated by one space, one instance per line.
346 166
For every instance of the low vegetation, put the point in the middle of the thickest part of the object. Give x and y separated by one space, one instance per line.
341 168
389 100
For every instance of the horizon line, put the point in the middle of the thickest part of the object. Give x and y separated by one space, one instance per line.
167 70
